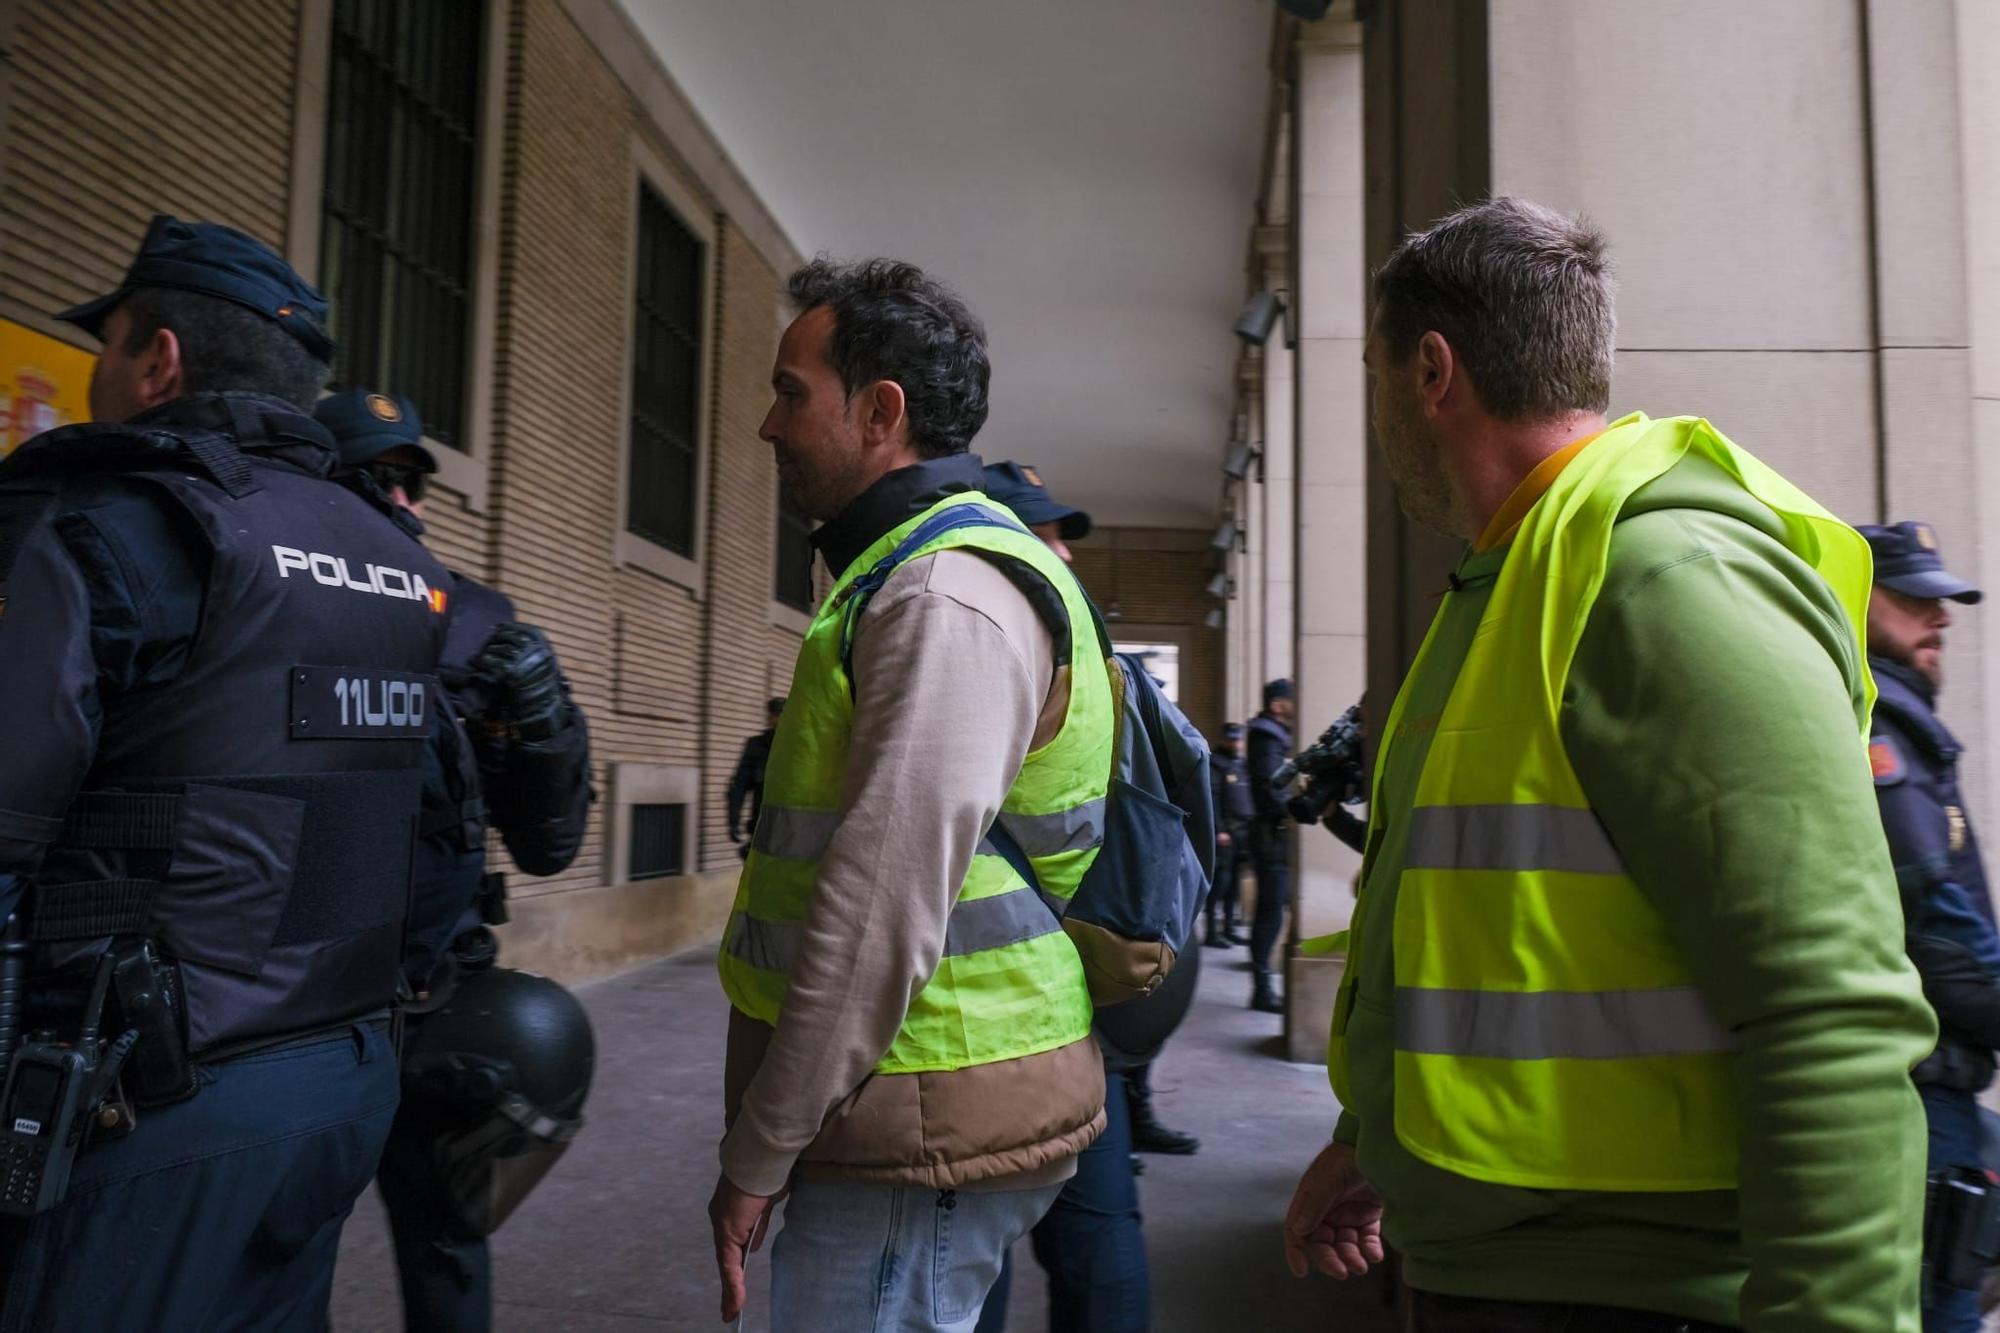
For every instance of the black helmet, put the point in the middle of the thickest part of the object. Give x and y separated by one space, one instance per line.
501 1069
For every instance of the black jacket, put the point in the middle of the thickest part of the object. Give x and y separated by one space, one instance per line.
1948 917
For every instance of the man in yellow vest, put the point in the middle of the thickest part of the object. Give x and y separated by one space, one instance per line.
910 1055
1625 1034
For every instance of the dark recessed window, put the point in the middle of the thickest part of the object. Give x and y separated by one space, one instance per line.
397 221
666 378
659 841
795 558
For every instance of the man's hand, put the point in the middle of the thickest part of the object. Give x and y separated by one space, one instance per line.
1223 839
740 1221
1335 1221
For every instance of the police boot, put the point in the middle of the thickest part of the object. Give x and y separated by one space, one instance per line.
1229 935
1264 996
1212 934
1148 1134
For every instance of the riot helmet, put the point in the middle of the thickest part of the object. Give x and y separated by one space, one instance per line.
500 1069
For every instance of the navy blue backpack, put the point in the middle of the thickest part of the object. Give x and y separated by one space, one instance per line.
1135 910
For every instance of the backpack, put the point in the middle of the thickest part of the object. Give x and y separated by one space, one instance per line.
1135 909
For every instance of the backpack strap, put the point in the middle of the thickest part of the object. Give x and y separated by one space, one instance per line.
1041 594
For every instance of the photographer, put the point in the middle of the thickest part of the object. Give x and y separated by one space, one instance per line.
1270 842
513 752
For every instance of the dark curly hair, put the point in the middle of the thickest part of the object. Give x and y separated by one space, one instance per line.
892 321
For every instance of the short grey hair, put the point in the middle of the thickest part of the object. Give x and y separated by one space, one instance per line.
1525 296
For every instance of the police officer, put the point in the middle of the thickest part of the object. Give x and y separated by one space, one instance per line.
512 750
1090 1244
1234 810
1949 924
747 782
220 666
1270 842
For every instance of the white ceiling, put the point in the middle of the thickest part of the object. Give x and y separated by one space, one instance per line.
1083 171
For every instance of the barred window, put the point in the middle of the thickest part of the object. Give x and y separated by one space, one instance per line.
659 841
397 223
794 584
666 378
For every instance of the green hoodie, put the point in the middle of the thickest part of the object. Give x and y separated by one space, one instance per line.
1710 717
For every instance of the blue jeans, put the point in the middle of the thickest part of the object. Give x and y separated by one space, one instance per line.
1090 1244
855 1257
1954 1141
220 1212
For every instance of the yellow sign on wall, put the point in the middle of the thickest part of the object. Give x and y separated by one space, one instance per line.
44 383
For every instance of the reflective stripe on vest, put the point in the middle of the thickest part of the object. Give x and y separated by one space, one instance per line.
1008 983
1557 1025
1548 1033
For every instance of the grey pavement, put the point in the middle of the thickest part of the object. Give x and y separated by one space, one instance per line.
616 1239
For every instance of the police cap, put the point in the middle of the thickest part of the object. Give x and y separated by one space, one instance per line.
1907 561
1281 688
1232 731
367 425
1020 488
214 260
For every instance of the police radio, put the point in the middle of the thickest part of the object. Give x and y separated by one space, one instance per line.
51 1094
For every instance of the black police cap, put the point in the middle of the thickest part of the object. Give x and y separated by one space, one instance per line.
1907 561
1232 731
1020 488
367 425
214 260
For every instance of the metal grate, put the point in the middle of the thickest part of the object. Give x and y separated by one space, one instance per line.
396 238
666 378
794 583
659 841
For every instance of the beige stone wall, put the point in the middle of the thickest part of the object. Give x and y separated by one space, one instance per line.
95 146
670 671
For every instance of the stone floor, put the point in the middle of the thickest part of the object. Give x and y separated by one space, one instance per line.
616 1239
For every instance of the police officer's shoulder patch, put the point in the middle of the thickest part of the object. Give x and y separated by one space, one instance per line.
1885 761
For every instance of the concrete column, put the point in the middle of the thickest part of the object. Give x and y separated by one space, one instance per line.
1924 366
1978 142
1279 545
1329 484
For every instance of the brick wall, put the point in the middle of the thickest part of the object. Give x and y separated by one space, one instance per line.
96 142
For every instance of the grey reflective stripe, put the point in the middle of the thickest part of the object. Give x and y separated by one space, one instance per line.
990 923
1548 1025
800 834
983 923
1071 830
771 945
1510 837
1060 906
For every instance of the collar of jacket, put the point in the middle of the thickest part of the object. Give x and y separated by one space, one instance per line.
1909 700
1270 726
895 498
257 422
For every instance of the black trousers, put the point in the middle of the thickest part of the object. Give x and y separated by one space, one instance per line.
1271 851
1231 858
1432 1313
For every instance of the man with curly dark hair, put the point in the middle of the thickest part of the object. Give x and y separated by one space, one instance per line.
910 1056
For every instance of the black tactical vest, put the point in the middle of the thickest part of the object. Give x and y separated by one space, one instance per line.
256 815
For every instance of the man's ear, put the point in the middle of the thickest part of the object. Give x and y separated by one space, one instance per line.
161 376
1437 368
885 417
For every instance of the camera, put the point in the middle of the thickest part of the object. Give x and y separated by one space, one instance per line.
1332 768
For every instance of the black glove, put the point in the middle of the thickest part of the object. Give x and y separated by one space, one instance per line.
520 662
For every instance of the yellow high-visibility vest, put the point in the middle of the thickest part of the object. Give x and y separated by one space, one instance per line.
1010 982
1548 1033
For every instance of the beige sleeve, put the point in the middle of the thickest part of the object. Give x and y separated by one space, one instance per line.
953 670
